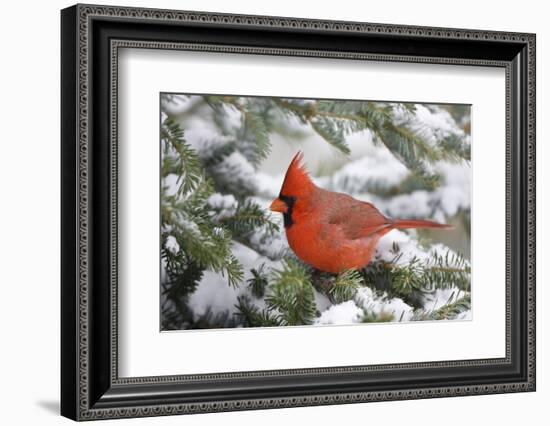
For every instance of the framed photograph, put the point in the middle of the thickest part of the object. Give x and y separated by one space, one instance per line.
263 212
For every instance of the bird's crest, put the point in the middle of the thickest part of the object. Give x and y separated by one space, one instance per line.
297 181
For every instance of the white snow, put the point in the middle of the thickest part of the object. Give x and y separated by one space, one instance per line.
408 248
204 140
221 201
432 124
464 316
323 303
224 205
273 246
171 244
370 302
177 104
452 196
413 205
440 297
268 186
455 193
343 313
233 117
190 226
236 170
378 167
214 294
170 184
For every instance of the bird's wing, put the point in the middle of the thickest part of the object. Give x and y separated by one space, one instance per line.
356 219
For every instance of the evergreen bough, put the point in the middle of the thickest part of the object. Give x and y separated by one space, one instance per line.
197 236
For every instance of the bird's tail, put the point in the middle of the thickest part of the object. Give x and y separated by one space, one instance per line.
413 223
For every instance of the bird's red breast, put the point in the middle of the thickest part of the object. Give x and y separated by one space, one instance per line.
331 231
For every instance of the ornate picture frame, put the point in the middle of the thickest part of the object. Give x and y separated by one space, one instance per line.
91 37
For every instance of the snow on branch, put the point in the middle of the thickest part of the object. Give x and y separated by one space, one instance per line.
216 229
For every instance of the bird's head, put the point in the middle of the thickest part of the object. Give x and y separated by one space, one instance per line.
297 187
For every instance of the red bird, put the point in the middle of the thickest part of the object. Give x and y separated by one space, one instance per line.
331 231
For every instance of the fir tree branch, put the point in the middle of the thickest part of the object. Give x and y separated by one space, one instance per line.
254 125
204 240
292 296
345 286
334 120
185 163
331 133
412 280
181 280
254 317
208 244
258 282
248 217
448 311
253 136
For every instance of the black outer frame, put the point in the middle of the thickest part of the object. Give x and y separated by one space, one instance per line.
90 387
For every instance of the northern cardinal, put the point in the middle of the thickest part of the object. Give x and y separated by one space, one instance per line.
331 231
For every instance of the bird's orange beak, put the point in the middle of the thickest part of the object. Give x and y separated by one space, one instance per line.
278 206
